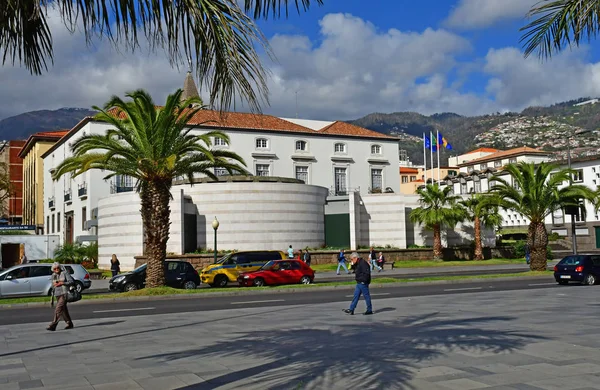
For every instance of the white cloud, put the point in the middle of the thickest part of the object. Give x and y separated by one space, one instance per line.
469 14
517 82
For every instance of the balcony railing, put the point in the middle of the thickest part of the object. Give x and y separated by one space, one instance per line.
117 189
379 190
51 203
342 191
68 196
82 190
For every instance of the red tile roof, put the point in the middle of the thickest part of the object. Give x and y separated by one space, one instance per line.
408 170
343 128
507 153
41 136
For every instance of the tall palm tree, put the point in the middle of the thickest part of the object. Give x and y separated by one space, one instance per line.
153 145
219 34
560 23
484 212
438 208
537 191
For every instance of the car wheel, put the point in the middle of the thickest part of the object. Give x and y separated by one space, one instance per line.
259 282
563 282
305 280
130 287
221 281
189 285
590 280
79 287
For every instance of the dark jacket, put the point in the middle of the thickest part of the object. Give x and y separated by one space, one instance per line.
115 266
363 272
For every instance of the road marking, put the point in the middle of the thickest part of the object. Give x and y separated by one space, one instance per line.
542 284
266 301
373 295
463 289
117 310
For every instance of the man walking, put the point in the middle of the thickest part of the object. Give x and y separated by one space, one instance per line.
363 279
342 262
307 257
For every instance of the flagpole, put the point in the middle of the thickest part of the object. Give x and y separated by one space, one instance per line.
439 150
424 160
431 156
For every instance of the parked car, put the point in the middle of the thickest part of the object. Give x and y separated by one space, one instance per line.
578 268
278 272
36 279
230 266
178 274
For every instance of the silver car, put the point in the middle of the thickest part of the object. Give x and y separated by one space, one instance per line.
36 279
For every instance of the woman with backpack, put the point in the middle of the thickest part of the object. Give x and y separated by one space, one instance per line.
60 282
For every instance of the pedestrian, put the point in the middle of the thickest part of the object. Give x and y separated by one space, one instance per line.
373 259
24 259
300 255
363 279
342 262
115 265
290 252
527 254
380 261
307 258
60 282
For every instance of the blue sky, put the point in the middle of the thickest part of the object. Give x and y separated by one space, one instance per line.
344 60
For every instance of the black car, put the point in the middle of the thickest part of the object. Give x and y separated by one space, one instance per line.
178 274
578 268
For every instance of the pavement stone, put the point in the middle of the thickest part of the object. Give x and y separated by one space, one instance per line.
492 340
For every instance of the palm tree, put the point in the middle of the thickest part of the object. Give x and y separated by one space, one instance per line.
220 34
439 208
482 210
153 145
537 192
560 23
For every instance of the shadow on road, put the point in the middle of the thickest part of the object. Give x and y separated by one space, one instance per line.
106 323
366 355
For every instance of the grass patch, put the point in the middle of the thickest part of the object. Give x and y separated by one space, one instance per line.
432 263
162 291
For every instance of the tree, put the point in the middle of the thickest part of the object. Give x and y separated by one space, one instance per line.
483 211
438 208
217 33
560 23
152 145
535 192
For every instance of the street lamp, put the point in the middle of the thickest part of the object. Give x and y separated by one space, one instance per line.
215 225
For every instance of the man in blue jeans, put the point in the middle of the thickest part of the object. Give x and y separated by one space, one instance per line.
363 279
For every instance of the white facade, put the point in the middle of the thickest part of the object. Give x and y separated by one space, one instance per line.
503 158
473 155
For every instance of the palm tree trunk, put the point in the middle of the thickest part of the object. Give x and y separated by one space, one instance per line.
437 243
156 215
478 247
537 240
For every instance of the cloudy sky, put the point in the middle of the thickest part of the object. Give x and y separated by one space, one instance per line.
344 60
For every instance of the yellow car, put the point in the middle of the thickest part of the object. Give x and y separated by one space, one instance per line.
230 266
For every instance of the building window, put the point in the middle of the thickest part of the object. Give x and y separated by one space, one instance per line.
47 224
302 174
578 176
301 146
262 169
463 188
470 169
340 148
413 178
477 185
483 166
221 172
491 184
58 222
376 179
404 179
512 160
558 218
262 143
451 173
219 142
83 217
497 164
52 223
340 181
375 149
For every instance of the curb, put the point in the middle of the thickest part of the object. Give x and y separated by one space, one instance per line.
270 291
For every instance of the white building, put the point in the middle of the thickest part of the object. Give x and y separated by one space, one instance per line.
469 156
502 158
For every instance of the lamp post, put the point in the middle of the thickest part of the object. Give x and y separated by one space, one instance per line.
215 225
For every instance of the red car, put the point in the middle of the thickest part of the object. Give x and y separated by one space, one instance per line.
278 272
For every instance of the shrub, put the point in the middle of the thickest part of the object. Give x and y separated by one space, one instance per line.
77 254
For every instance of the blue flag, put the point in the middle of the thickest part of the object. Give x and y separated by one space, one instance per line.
428 144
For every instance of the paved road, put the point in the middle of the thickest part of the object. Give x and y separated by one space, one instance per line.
547 338
204 303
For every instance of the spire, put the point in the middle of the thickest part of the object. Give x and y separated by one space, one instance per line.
189 85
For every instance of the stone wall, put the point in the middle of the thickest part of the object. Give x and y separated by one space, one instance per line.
200 261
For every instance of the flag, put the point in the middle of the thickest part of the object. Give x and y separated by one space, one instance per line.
444 142
428 145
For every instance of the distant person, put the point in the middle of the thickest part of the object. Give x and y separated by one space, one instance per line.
290 252
307 258
24 259
527 254
363 280
300 255
115 265
342 262
380 261
373 259
60 282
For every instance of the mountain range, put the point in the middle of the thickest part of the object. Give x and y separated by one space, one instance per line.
546 127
